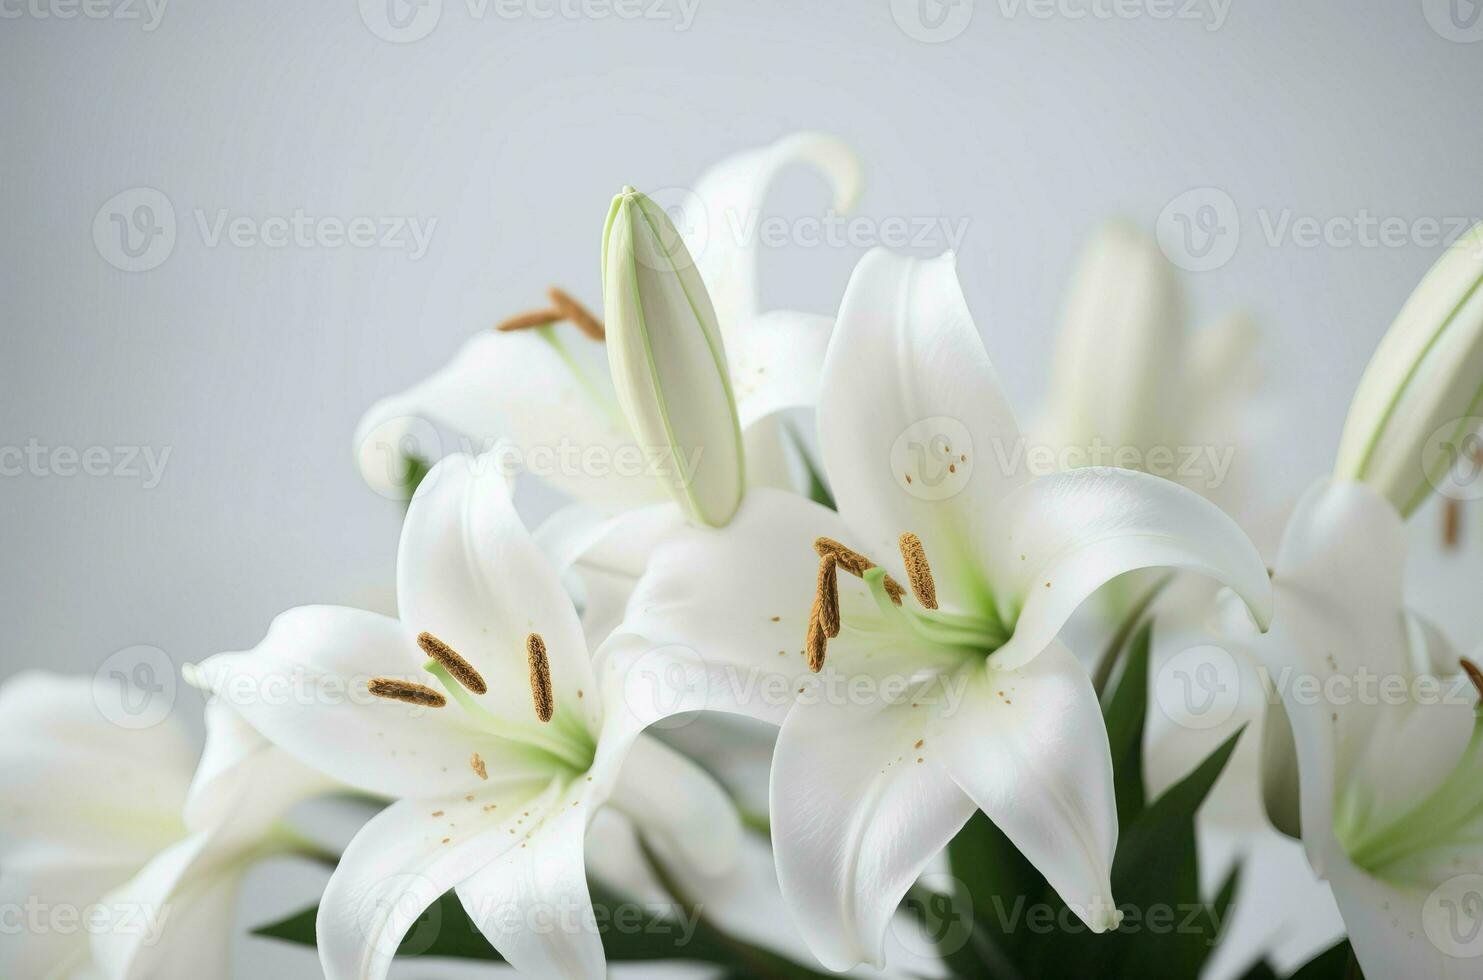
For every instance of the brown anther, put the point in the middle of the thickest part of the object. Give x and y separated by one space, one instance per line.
577 313
827 595
1451 523
1474 674
918 572
528 321
856 564
395 690
478 766
817 642
458 668
540 676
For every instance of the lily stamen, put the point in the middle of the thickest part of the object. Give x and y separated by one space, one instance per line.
395 690
827 598
856 564
460 669
816 644
918 572
577 314
529 321
1474 674
540 676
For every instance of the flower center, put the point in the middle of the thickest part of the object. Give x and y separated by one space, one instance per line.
1405 847
951 629
569 745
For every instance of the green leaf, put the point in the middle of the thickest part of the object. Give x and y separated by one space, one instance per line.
994 881
1125 713
1260 970
1335 963
416 469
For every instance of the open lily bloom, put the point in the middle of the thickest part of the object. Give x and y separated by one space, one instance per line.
1389 783
478 712
129 868
548 391
955 695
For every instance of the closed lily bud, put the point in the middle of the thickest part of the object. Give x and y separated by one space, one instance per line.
1423 389
668 362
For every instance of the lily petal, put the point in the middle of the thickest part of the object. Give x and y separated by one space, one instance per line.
858 812
469 573
1061 537
408 856
304 688
1030 747
683 812
547 391
776 362
727 204
908 394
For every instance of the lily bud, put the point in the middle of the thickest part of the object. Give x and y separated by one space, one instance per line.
668 362
1425 381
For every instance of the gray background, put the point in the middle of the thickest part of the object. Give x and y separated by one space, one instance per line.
252 364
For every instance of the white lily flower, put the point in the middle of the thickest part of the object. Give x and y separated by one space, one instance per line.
1420 395
1389 755
548 390
959 699
496 758
122 865
1131 386
668 361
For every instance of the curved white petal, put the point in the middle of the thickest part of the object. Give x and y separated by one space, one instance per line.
1394 930
908 394
408 856
304 688
720 220
547 391
469 573
1030 747
718 621
776 363
862 800
775 455
1061 537
1119 346
74 782
244 783
172 921
678 807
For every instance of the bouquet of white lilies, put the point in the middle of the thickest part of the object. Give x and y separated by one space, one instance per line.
828 665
